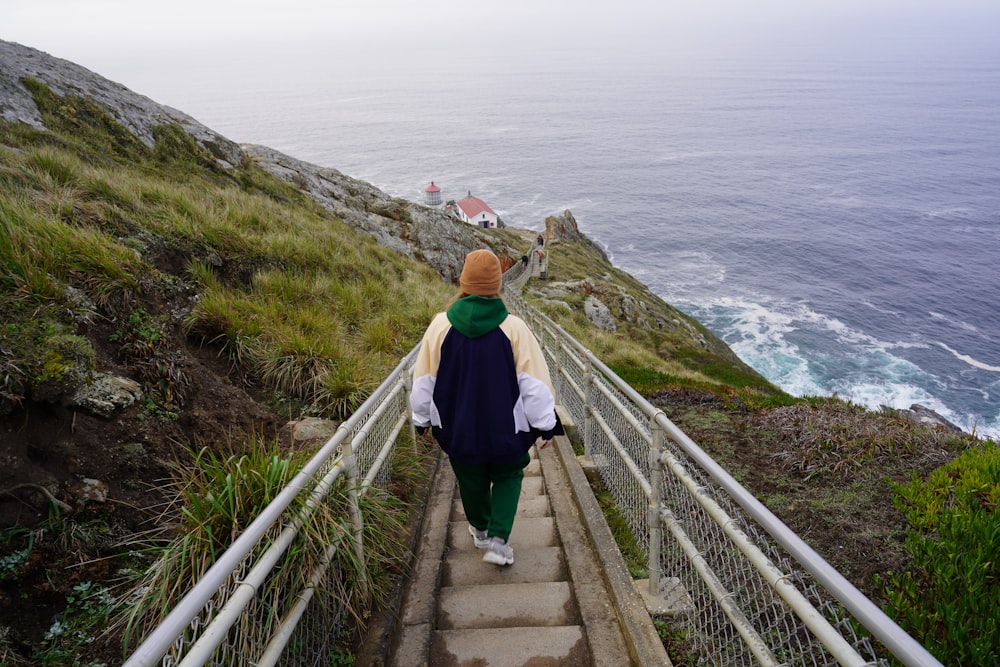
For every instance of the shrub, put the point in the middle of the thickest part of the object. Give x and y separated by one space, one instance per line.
38 356
948 601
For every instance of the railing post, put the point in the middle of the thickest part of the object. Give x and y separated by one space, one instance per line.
558 381
588 410
407 390
354 509
556 355
655 498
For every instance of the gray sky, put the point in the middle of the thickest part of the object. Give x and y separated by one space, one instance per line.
137 42
93 26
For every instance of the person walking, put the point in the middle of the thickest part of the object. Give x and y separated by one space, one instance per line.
481 384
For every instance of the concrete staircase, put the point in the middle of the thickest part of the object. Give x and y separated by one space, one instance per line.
566 600
498 615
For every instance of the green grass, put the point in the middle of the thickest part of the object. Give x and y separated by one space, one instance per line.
306 305
738 386
632 553
217 497
213 499
948 600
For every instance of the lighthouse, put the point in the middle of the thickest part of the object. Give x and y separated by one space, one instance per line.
432 195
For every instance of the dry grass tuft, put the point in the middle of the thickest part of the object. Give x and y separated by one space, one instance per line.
843 438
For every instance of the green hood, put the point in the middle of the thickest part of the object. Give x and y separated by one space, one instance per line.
475 315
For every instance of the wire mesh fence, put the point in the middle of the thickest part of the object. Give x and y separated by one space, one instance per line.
278 595
733 612
742 588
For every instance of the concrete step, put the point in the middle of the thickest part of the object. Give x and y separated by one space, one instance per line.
507 606
511 647
528 532
533 469
531 565
527 507
532 486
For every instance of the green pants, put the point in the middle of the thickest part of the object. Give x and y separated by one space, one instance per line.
490 493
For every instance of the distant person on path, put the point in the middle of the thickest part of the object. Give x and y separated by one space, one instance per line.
541 240
481 384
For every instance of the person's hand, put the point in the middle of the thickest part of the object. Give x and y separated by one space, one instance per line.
546 443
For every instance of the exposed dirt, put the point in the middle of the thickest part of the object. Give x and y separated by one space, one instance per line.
109 476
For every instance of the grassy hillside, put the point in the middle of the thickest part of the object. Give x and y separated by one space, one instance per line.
651 338
234 301
307 305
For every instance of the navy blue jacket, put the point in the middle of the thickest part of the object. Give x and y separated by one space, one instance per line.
481 383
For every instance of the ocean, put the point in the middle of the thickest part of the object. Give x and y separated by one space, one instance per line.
834 220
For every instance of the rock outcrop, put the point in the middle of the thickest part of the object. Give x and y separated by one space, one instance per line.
599 314
924 416
564 228
136 113
106 395
420 232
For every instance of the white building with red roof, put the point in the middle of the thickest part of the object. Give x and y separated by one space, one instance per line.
475 211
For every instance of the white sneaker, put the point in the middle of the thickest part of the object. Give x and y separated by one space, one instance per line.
499 552
479 537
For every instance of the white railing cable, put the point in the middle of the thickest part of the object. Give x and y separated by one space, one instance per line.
156 645
902 645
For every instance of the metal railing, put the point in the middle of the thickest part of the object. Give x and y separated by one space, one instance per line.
744 589
749 591
251 608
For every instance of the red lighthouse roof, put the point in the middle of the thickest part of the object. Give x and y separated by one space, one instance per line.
432 188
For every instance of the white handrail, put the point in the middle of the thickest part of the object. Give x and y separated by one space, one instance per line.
156 645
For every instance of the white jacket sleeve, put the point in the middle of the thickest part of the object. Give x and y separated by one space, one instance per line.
425 370
534 382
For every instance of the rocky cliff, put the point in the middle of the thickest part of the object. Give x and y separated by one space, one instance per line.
137 113
420 232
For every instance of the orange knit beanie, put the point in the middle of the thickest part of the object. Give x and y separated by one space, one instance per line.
481 274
